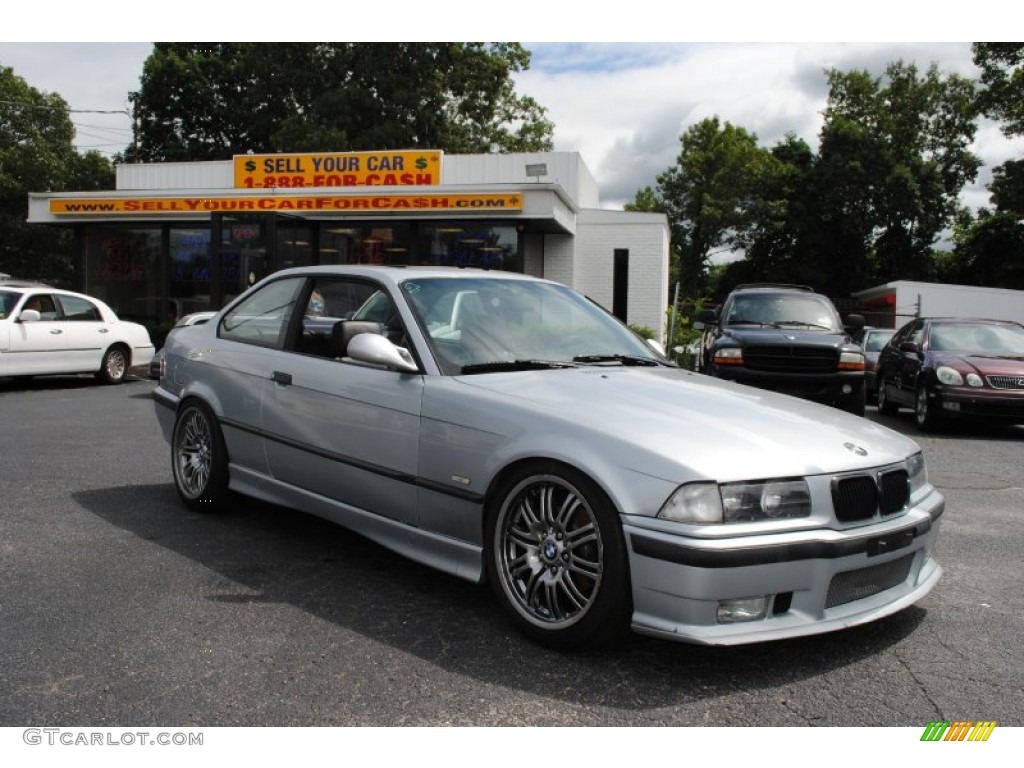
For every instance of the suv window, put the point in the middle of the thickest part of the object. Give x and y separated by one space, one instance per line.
774 310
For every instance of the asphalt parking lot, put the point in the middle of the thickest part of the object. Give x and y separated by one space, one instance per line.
119 607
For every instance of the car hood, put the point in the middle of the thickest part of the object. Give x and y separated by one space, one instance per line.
717 428
988 364
782 336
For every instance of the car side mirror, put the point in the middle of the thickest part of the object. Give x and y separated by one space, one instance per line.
909 346
374 349
29 316
854 323
707 317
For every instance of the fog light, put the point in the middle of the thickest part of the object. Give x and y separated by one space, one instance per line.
742 609
951 406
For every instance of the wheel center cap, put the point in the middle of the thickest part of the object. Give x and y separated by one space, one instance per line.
550 550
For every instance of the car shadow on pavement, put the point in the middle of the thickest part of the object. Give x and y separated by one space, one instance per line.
263 554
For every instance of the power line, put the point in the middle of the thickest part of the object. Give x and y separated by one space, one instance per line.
69 110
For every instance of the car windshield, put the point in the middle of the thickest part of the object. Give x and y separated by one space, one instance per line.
8 300
976 337
777 311
488 324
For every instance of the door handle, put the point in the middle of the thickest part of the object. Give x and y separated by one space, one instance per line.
104 330
55 331
281 378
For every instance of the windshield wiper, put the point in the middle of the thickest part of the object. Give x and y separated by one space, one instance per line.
622 359
805 323
516 365
762 323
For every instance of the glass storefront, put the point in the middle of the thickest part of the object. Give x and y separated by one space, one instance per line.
156 273
122 268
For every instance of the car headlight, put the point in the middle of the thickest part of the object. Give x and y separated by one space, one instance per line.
917 473
729 356
851 361
705 503
974 380
947 375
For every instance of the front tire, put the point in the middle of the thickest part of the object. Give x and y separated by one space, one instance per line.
885 405
925 416
114 367
199 459
556 557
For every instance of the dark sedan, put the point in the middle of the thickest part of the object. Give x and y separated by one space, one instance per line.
954 368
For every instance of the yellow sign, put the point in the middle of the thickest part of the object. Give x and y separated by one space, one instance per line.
401 168
160 206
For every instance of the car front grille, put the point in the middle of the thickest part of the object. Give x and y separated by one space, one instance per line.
865 582
791 359
861 497
1006 382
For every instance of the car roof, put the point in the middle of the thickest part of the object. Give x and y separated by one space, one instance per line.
773 288
397 274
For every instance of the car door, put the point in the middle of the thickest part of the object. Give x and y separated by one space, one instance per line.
907 366
338 428
37 346
85 332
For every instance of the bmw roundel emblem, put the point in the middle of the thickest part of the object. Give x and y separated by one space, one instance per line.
550 550
855 449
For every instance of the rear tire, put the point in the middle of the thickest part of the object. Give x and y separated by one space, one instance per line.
199 458
114 368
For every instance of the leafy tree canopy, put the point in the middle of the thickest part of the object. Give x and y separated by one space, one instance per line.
36 155
208 101
1002 79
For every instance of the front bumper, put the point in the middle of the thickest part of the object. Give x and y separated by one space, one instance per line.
827 388
817 580
978 403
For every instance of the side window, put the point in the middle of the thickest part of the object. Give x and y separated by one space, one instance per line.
75 308
336 310
917 334
43 304
262 318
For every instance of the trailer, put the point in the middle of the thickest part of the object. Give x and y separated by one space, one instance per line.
894 304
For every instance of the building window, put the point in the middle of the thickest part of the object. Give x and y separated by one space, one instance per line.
189 285
365 243
486 245
123 269
620 284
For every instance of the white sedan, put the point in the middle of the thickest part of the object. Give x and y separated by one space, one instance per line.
45 330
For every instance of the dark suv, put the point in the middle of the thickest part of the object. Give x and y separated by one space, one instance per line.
785 338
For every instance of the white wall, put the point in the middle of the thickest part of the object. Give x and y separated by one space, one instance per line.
942 300
598 235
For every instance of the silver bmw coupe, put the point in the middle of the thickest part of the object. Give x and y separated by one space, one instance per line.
509 430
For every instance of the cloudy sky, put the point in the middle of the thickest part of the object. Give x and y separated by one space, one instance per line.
622 105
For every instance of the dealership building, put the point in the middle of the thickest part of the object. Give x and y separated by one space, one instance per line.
174 238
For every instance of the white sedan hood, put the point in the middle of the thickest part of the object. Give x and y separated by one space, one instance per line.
719 429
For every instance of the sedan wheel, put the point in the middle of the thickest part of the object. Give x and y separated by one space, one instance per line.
114 367
885 405
557 559
199 458
924 414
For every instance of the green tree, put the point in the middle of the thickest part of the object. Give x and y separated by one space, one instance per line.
989 250
893 160
1002 79
37 154
203 101
708 194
